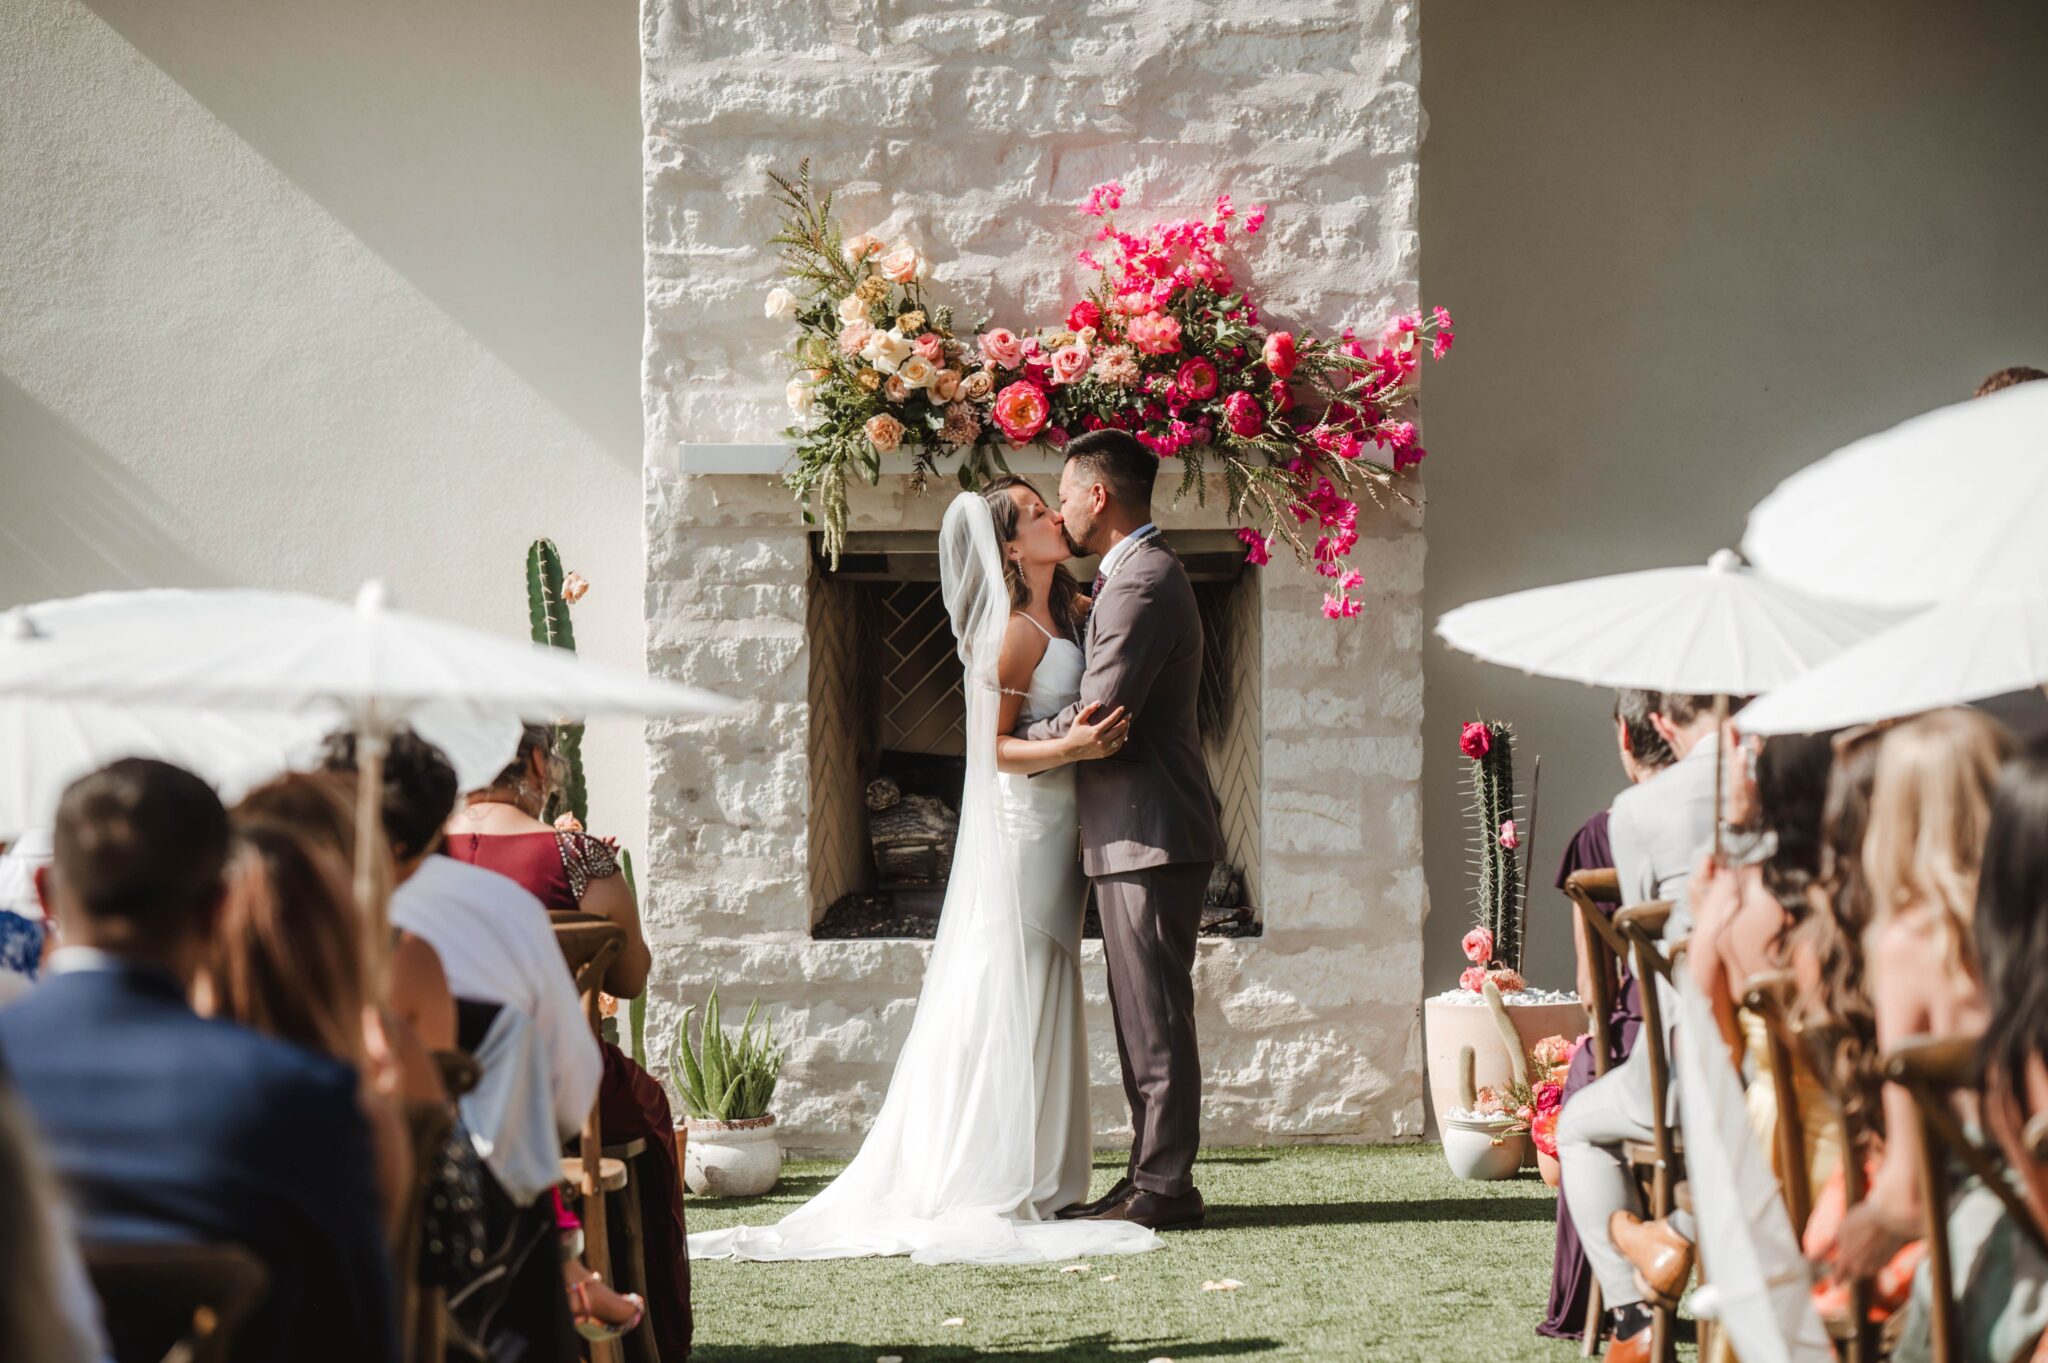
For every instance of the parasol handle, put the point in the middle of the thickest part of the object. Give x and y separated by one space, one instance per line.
371 746
1720 757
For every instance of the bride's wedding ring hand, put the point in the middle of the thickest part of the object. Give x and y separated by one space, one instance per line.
1091 738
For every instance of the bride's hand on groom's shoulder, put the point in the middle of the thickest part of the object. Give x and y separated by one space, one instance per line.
1092 737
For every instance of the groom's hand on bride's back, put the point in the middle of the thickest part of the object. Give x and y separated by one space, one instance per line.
1094 734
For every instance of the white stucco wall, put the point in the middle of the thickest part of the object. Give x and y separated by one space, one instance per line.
294 295
977 131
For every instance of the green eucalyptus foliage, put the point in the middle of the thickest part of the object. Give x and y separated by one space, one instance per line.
722 1078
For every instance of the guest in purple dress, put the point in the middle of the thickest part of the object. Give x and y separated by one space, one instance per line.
1643 754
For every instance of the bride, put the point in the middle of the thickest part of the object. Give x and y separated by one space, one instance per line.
984 1134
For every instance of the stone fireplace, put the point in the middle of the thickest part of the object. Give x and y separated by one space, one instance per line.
975 132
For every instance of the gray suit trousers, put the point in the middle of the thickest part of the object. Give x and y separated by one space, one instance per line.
1150 920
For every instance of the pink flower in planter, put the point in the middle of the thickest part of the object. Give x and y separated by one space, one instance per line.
1155 333
1478 946
1508 981
1279 354
1473 978
1475 740
1508 837
1001 348
1083 315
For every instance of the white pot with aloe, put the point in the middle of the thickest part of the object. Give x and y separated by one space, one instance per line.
726 1082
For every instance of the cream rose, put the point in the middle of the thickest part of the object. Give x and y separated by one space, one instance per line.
884 432
886 350
917 372
781 305
895 389
946 385
901 264
851 309
861 247
977 386
800 397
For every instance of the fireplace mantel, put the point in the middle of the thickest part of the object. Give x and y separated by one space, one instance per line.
773 458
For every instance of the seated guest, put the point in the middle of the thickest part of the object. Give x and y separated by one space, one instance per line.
1929 811
1643 754
1658 830
23 933
499 828
169 1126
47 1309
2001 379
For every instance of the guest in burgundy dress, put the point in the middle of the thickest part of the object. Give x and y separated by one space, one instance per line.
1643 754
499 830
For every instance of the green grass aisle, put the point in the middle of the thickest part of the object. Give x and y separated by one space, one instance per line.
1345 1252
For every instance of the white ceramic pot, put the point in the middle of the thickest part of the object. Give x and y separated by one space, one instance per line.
1476 1148
1448 1027
731 1159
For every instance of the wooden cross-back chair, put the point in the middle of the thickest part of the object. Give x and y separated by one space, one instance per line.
1596 893
589 945
1658 1163
1933 1070
200 1295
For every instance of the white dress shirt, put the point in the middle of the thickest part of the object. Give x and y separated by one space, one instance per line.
496 945
1122 547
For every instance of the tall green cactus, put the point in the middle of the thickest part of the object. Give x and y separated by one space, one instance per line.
1490 777
636 1007
547 611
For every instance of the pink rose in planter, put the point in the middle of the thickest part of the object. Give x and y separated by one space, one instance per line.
1474 978
931 347
1022 411
1475 740
1478 946
1069 363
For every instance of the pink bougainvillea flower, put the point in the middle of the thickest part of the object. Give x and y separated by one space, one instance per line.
1001 348
1155 333
1279 354
1255 219
1509 838
1473 978
1258 548
1475 740
1197 379
1021 410
1337 607
1082 315
1243 415
1478 946
1106 197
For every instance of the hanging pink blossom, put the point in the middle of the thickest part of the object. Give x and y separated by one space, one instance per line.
1104 198
1243 415
1258 548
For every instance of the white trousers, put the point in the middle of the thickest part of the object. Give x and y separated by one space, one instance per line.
1597 1183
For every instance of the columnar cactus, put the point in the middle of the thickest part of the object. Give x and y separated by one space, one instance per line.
1490 777
547 610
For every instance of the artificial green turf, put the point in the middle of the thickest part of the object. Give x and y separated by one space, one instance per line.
1345 1253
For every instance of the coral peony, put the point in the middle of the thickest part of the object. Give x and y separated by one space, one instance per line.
1478 946
1509 838
1279 354
1543 1131
1244 416
1475 740
1508 981
1473 978
1001 348
1084 316
1069 363
1155 333
1021 411
1197 379
884 432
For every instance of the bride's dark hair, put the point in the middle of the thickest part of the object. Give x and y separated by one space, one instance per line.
1065 593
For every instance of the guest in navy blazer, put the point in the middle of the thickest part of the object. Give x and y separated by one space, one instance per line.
169 1126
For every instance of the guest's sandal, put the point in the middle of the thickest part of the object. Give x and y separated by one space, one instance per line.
592 1326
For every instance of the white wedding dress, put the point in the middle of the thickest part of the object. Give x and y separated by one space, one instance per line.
984 1132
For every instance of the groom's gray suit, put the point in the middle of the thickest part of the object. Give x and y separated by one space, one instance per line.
1150 833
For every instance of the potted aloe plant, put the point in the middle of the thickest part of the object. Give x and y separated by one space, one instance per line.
726 1082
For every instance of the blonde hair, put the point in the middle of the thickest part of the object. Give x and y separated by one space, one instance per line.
1929 810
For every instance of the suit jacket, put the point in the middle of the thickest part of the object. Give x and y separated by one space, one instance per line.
1659 830
167 1126
1151 804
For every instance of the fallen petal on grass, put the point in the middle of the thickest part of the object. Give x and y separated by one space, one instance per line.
1075 1268
954 1320
1222 1285
1107 1278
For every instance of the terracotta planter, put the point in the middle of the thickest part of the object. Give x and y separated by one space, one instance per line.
1448 1026
1478 1147
1547 1166
731 1159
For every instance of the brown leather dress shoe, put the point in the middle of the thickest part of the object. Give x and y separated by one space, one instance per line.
1634 1349
1080 1211
1663 1257
1159 1211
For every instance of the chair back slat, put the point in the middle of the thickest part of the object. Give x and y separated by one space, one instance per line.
589 945
1603 950
1769 997
203 1294
1640 925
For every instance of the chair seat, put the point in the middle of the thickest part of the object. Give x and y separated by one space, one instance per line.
627 1150
1644 1153
611 1175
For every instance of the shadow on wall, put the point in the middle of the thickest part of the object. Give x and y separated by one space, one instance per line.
76 520
527 169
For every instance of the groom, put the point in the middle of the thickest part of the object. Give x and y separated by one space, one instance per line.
1149 825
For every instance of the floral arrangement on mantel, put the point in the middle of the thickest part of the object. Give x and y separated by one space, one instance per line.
1494 945
1164 342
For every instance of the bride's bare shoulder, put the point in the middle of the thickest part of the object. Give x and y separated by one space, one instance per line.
1023 645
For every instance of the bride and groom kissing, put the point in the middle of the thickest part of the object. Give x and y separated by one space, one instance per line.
1084 766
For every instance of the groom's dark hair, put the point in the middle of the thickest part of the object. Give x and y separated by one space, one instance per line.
1117 461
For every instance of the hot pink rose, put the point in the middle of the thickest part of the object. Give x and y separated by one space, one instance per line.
931 347
1021 411
1509 838
1155 333
1279 354
1478 946
1001 348
1082 315
1475 740
1197 379
1244 416
1070 362
1473 979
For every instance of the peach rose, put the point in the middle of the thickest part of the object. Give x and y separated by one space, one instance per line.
1069 363
861 247
895 389
977 386
901 264
884 432
1001 348
917 372
946 385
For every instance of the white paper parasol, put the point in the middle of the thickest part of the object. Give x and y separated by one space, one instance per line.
1949 504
